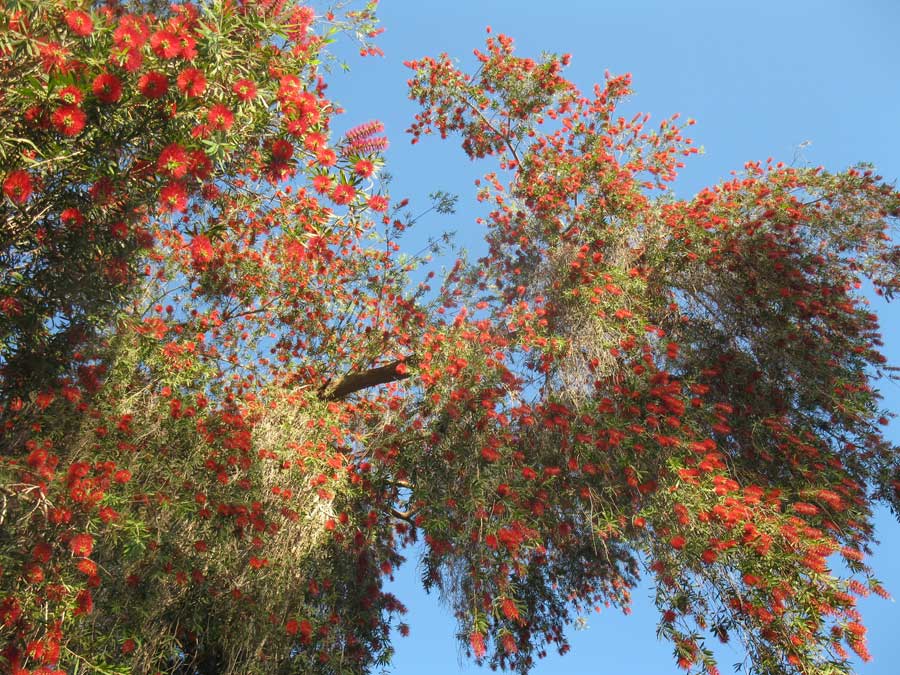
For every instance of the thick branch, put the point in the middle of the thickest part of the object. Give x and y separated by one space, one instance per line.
353 382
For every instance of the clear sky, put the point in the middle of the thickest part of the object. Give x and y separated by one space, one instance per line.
762 79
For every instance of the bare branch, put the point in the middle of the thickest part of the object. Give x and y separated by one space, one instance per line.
353 382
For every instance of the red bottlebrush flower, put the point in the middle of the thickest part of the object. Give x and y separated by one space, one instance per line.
364 168
509 609
364 130
131 31
490 454
314 141
677 542
71 95
322 183
291 627
300 21
362 139
34 574
188 47
343 194
220 117
54 57
107 88
282 150
128 646
289 88
84 602
709 556
17 186
101 191
71 218
153 85
173 161
10 611
476 640
305 632
122 476
69 120
173 197
200 165
508 642
244 89
368 146
41 552
37 116
119 230
79 22
191 82
87 566
202 251
165 44
326 157
378 203
81 545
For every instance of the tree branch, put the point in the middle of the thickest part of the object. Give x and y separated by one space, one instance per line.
353 382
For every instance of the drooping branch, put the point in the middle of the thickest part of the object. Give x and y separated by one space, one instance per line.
353 382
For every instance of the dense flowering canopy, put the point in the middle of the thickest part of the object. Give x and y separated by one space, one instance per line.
226 409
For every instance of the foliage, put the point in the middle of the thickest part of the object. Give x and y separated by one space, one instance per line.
226 408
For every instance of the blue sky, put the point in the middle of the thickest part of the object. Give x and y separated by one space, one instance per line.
797 80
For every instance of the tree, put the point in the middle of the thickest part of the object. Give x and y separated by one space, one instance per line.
227 408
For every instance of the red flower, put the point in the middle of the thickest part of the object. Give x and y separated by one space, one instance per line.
81 545
84 602
378 203
245 89
128 646
41 552
107 88
122 476
322 183
200 165
71 95
79 22
282 150
305 632
153 85
677 542
118 230
188 47
69 120
88 567
202 251
191 82
54 57
292 627
173 197
508 606
17 186
490 454
173 161
343 194
44 399
364 168
220 117
165 44
477 642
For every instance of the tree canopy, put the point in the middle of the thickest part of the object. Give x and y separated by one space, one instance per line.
230 398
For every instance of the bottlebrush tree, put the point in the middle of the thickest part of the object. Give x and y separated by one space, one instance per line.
227 409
